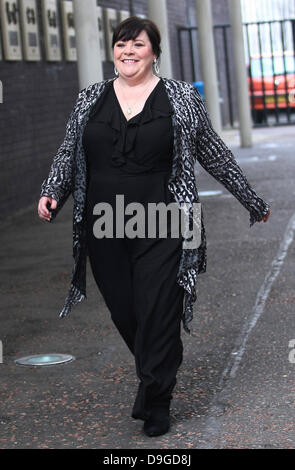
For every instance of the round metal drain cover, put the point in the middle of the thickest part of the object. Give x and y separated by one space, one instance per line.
44 359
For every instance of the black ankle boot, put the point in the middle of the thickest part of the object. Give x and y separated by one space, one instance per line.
156 426
158 421
138 415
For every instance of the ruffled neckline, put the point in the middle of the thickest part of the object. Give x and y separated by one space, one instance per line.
108 110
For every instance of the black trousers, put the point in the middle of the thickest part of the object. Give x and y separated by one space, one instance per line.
137 279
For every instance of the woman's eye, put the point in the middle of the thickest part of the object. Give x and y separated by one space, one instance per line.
138 44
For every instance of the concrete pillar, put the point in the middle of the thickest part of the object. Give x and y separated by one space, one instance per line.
241 74
208 61
157 12
87 40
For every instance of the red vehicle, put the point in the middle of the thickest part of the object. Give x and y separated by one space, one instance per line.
271 83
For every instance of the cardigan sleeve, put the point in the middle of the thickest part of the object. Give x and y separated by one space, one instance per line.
58 183
217 159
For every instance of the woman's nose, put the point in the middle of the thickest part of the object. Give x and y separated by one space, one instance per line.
129 49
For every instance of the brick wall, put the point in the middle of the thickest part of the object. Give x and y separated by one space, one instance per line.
38 98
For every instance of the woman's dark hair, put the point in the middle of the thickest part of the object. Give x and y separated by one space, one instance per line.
132 27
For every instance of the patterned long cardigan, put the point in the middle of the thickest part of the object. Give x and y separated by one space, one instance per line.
194 139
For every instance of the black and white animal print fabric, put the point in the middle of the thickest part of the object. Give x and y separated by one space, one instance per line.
194 139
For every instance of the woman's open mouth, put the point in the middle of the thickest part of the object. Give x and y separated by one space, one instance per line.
129 61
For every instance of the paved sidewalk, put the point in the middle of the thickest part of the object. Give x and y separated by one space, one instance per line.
259 135
219 401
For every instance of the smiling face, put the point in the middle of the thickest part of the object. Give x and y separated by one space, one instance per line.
134 58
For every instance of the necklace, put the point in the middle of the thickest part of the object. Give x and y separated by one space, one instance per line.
129 109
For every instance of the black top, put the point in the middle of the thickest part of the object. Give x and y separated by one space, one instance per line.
143 143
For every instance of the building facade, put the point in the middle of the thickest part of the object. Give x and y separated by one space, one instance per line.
38 94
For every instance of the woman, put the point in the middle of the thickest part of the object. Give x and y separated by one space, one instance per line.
138 136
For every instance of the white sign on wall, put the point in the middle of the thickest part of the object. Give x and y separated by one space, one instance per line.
69 33
30 32
51 31
10 30
110 23
101 33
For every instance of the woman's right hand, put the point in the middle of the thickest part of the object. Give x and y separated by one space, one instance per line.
265 218
43 211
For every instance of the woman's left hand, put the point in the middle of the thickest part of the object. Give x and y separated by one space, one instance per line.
265 218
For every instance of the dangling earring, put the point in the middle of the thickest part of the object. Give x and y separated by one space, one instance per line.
116 71
156 66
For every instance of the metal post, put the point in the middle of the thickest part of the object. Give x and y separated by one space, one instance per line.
190 32
285 70
273 71
180 50
157 12
241 74
88 46
228 79
293 34
262 74
131 8
208 62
